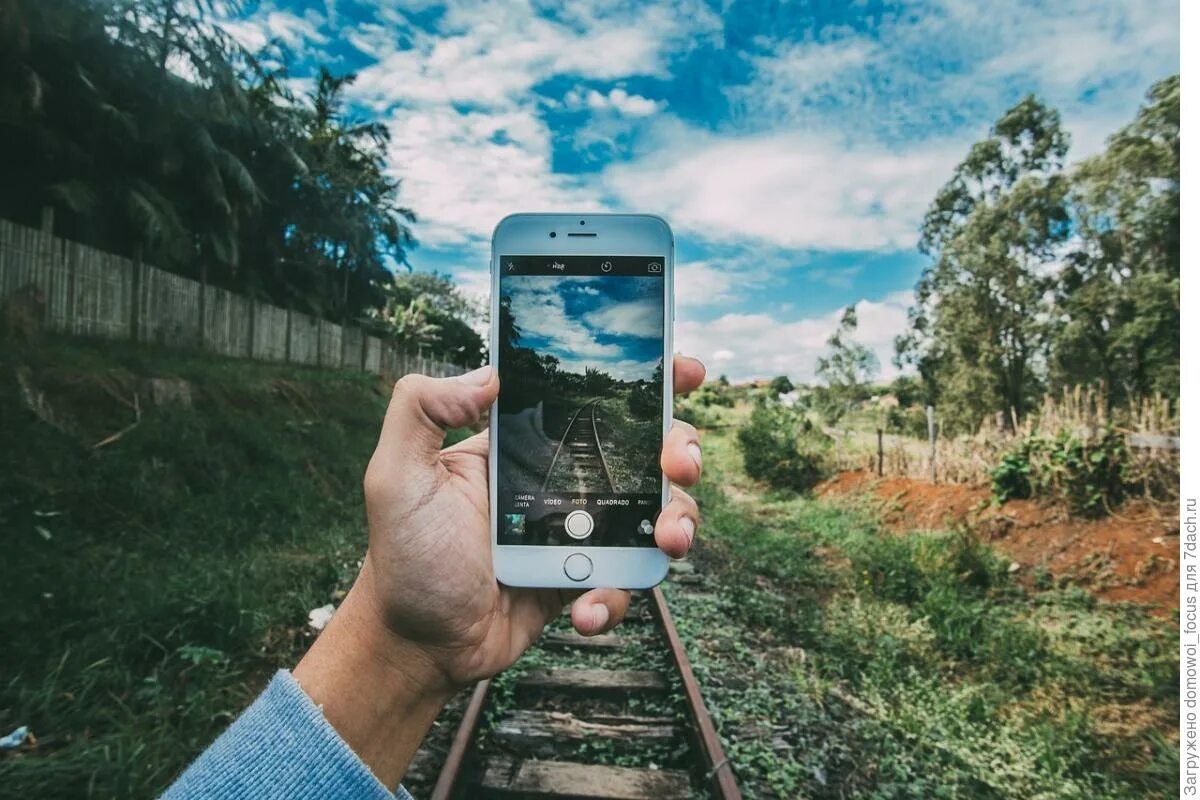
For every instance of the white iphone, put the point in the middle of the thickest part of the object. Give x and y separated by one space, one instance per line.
582 306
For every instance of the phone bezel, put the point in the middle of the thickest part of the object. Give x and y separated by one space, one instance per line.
616 234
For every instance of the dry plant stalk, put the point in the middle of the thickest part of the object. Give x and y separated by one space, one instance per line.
1079 412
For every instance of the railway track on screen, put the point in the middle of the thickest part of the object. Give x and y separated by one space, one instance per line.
561 728
579 465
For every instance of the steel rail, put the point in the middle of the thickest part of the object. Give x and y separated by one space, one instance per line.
444 788
719 770
600 449
562 440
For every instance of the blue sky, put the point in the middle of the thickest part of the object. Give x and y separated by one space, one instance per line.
609 323
793 146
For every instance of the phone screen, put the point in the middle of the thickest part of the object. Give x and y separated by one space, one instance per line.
580 421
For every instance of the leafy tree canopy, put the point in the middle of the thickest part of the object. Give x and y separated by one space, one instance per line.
1118 293
1044 277
150 131
978 325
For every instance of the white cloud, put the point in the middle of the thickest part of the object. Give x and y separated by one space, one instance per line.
833 148
267 24
793 190
700 283
539 311
494 53
468 139
465 170
745 346
954 65
640 318
617 99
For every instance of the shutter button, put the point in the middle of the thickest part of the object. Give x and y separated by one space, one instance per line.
579 524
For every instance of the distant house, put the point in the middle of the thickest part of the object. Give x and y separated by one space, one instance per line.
885 401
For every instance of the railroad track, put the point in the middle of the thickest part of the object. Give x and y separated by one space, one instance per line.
544 736
579 465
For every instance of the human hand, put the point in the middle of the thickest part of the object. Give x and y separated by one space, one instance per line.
429 563
426 613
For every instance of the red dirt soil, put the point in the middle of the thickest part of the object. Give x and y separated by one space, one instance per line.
1131 556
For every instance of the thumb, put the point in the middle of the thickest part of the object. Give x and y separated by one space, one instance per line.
422 408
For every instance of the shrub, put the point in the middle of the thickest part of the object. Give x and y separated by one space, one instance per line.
645 400
781 385
713 394
774 450
1011 478
1087 474
910 421
698 414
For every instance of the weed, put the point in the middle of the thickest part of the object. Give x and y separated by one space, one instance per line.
182 558
776 450
927 672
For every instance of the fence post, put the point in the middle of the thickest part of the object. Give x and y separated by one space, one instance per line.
320 329
43 270
932 423
879 464
135 295
251 327
70 314
287 339
203 303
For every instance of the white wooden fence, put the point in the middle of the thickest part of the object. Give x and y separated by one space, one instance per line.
92 293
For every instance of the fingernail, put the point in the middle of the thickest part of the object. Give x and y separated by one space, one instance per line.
599 617
477 377
694 451
689 528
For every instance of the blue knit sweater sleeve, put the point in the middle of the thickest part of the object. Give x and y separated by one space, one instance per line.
280 747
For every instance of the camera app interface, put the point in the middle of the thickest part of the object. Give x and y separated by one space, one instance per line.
581 400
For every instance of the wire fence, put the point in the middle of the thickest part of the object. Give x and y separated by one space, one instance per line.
1149 426
83 291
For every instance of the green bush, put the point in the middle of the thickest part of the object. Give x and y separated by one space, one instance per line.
1089 475
776 451
1011 479
700 415
713 394
908 421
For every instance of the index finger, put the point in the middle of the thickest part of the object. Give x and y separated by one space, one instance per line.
687 374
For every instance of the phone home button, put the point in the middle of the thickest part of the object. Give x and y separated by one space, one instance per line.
579 524
578 567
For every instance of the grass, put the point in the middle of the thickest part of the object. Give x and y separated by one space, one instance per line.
843 661
631 445
154 584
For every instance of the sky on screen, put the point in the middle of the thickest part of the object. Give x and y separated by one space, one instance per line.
610 324
793 147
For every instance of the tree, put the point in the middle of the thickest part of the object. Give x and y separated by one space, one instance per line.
850 365
445 307
405 321
980 322
349 221
781 384
1118 294
151 131
847 370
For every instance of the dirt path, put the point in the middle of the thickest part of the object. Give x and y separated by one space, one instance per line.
1129 557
